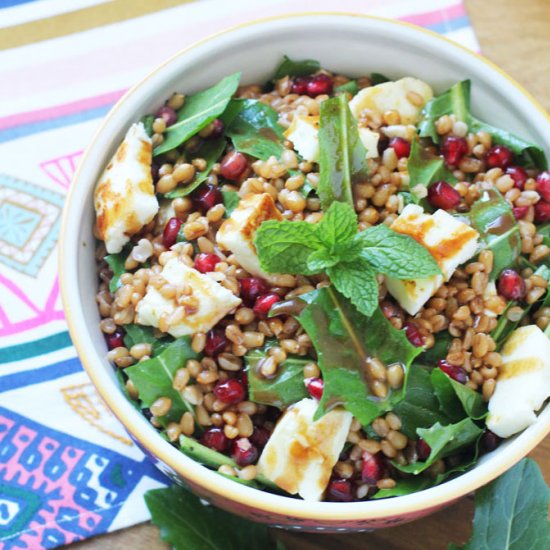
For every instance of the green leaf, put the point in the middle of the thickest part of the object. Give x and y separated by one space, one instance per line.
198 111
254 129
405 487
511 513
439 350
139 334
187 524
321 260
378 78
492 217
395 254
116 264
230 201
344 339
119 374
426 169
147 121
342 156
153 378
291 67
211 151
350 87
286 388
339 224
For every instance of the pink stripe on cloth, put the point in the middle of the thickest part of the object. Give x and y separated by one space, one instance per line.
436 16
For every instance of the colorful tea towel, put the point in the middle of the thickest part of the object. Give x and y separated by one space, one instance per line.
68 471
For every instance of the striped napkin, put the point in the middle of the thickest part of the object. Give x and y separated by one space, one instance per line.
68 471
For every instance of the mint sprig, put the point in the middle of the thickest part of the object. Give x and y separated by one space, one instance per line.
350 259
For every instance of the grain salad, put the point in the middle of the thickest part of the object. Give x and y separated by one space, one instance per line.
329 287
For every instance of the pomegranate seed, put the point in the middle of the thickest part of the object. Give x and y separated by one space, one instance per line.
442 195
206 262
543 185
233 166
116 339
217 129
423 450
542 212
520 212
214 438
320 84
498 156
511 285
518 174
264 303
401 147
299 84
373 469
252 288
314 387
454 372
154 171
260 436
216 341
168 114
231 391
339 490
171 230
243 452
413 335
453 149
207 196
490 441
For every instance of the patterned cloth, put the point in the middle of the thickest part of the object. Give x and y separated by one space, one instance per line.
68 471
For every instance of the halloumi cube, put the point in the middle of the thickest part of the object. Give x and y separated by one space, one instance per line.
300 454
237 232
214 301
393 96
369 139
451 243
523 382
124 197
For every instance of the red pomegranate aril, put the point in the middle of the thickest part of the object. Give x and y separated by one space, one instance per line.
230 392
401 147
373 468
168 114
299 84
252 288
243 452
340 490
205 263
490 441
216 341
498 156
170 233
518 174
542 212
264 303
444 196
314 387
453 371
218 128
214 438
413 335
423 450
520 212
319 84
543 185
260 436
207 196
511 285
453 149
116 339
233 165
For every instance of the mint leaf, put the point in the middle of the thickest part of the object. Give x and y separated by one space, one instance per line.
198 111
291 67
341 154
321 260
357 281
511 513
395 254
339 224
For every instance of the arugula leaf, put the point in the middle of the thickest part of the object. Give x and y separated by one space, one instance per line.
344 339
350 87
198 111
210 151
187 524
119 374
378 78
116 264
426 170
153 378
395 254
286 388
342 156
439 350
492 217
147 121
230 201
405 487
291 67
511 513
254 129
139 334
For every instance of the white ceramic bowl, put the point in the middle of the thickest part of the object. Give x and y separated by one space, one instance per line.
352 45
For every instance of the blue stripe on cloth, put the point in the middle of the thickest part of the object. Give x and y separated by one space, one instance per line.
11 3
42 374
450 25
